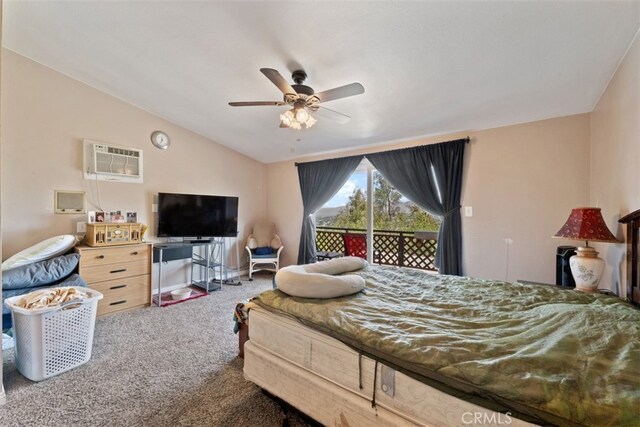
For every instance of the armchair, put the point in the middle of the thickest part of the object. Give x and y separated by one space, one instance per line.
355 244
264 247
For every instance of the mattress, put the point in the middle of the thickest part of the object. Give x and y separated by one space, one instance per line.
553 356
335 385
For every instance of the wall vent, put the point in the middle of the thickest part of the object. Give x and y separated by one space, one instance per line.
69 202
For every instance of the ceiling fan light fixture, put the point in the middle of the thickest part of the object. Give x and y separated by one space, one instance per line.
310 121
301 115
287 118
296 118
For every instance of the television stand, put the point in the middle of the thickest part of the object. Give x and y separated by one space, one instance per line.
200 241
185 250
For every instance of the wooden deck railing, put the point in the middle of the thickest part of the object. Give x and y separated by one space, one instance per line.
401 248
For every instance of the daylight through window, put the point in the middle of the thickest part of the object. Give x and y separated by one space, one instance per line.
395 222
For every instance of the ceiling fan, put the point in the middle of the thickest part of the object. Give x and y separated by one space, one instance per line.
303 100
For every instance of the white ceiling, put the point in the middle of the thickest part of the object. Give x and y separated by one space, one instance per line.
427 67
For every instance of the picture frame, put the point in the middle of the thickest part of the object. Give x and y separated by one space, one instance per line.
117 217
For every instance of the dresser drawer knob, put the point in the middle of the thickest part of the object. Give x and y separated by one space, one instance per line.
119 302
118 271
118 287
134 253
100 257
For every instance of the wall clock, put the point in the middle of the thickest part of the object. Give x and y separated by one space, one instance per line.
160 140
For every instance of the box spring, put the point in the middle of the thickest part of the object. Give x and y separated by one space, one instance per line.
321 377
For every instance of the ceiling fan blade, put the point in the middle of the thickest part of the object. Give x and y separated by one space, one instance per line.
256 103
277 79
340 92
332 115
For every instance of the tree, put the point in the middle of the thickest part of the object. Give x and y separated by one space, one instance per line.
386 201
354 214
422 220
389 211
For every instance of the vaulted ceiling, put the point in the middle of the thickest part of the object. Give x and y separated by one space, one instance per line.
427 67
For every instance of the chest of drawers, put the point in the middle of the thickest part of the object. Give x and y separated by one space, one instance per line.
121 273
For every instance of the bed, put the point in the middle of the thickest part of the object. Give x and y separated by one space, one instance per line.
429 350
632 221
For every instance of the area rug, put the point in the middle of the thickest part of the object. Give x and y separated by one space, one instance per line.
167 300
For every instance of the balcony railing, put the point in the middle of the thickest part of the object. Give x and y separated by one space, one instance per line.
416 249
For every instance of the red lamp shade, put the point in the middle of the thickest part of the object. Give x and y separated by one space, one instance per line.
586 224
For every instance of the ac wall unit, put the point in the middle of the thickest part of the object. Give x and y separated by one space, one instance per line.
108 162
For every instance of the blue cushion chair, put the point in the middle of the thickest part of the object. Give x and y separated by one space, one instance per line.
264 247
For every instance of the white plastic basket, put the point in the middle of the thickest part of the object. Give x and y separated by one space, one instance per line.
52 340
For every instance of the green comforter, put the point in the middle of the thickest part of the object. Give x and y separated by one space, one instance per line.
556 355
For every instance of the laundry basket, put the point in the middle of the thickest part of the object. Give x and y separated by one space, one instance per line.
52 340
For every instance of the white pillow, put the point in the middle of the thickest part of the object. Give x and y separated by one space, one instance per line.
318 280
41 251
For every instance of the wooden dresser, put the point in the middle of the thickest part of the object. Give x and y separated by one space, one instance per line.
121 273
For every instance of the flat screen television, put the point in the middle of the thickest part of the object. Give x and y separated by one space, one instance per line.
197 215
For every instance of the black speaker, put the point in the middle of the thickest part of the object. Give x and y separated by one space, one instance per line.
563 270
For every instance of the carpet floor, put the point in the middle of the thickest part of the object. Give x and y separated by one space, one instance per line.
169 366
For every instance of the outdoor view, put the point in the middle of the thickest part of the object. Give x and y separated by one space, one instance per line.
395 221
391 210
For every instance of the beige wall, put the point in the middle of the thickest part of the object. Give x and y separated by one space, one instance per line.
615 160
46 115
521 181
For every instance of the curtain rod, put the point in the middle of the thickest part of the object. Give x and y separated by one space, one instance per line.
466 139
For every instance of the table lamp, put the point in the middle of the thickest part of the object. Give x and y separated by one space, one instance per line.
586 224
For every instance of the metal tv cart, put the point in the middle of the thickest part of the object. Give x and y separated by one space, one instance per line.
202 266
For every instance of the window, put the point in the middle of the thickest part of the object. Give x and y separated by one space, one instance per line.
395 220
348 208
391 210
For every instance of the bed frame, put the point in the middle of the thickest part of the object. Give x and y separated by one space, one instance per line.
633 260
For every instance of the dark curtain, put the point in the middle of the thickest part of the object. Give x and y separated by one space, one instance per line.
431 177
319 182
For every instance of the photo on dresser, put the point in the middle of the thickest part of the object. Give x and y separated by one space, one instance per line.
116 217
132 217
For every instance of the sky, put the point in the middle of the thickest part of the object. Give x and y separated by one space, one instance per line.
358 179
